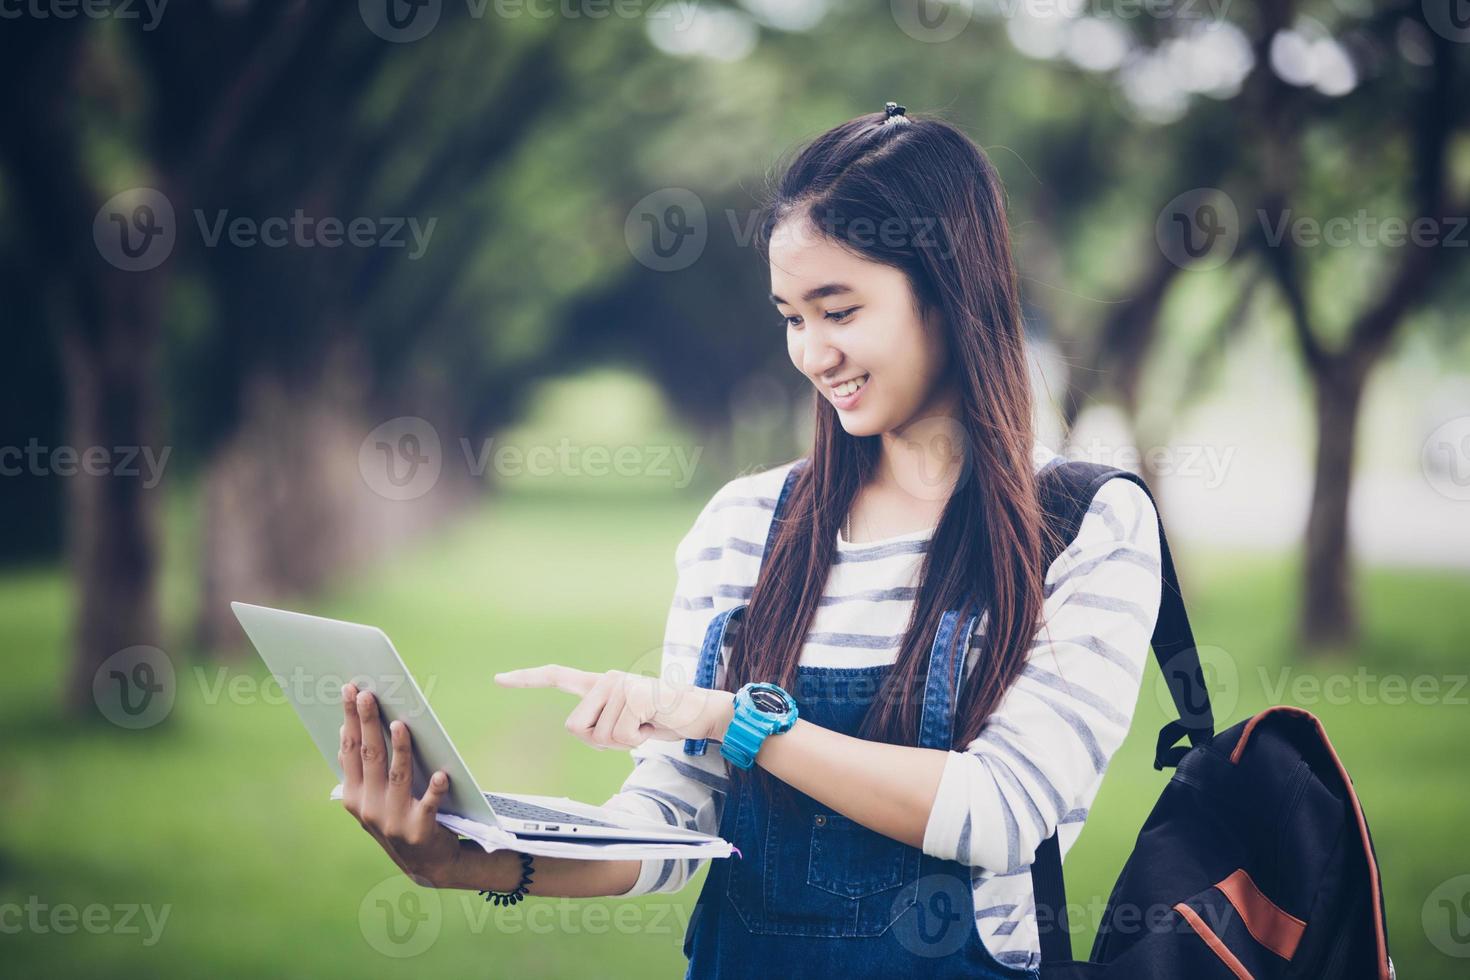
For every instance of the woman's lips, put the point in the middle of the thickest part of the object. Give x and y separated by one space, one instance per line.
849 402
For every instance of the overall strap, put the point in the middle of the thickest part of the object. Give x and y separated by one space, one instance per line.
714 634
942 681
1067 490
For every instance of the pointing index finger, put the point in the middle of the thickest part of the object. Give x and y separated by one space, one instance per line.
567 679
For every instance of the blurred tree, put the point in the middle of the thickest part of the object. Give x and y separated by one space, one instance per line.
345 334
30 400
105 320
1381 142
1345 303
263 112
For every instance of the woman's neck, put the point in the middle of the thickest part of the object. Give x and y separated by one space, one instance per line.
915 478
924 457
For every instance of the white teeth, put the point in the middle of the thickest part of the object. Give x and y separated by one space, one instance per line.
848 387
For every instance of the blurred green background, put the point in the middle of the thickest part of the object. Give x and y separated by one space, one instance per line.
483 419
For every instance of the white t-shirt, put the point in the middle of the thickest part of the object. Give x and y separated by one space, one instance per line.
1035 766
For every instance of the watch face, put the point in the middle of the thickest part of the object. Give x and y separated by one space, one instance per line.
769 701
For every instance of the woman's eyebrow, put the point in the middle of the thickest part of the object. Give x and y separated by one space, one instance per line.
817 292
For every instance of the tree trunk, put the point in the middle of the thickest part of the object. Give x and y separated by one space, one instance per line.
288 504
1329 620
112 387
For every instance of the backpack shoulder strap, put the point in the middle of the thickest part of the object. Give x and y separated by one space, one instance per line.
1067 492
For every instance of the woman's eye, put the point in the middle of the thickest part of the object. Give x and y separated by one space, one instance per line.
836 316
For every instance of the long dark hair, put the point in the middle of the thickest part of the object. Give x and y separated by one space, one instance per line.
918 195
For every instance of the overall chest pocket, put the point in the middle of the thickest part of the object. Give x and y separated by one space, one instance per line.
849 860
851 881
811 873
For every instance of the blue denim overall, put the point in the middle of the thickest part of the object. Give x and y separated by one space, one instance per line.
815 894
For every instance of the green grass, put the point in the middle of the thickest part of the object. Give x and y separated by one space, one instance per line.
219 816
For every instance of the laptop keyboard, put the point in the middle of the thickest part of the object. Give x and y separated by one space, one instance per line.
520 809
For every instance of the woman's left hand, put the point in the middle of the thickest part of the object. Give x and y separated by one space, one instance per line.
619 710
377 790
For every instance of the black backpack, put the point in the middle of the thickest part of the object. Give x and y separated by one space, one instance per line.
1255 863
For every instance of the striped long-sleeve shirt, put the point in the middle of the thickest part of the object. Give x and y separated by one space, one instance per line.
1038 761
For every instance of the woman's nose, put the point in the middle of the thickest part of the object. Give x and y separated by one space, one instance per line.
820 359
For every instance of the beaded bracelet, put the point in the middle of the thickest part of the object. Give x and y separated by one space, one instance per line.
520 890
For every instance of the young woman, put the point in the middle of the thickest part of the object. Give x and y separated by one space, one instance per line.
955 703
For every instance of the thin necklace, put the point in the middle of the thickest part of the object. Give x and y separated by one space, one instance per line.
847 527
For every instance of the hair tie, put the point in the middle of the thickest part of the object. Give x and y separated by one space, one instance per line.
520 891
891 109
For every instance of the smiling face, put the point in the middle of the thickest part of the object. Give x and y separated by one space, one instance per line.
850 319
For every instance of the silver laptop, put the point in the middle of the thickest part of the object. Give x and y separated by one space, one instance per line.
313 658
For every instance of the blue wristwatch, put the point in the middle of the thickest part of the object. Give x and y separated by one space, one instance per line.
760 710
